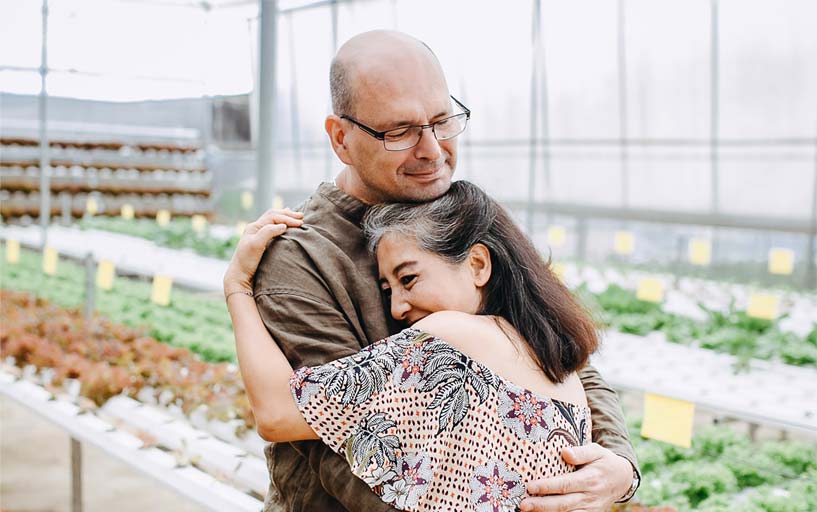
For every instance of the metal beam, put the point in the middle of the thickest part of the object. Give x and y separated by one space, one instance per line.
534 111
293 96
811 265
718 220
265 150
622 103
45 167
714 104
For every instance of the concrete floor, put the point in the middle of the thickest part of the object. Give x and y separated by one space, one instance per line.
35 472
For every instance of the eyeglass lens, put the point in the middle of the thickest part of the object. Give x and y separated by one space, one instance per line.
408 137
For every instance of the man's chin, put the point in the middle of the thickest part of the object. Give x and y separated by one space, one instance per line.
427 188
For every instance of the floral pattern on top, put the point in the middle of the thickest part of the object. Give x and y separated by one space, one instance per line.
523 412
415 476
495 488
429 428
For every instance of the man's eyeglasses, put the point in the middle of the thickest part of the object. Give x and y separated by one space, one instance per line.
406 137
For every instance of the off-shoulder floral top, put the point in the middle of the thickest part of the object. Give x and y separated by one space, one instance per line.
429 428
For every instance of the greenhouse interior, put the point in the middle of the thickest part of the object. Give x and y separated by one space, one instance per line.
661 157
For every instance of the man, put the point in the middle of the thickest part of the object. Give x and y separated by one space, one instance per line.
317 288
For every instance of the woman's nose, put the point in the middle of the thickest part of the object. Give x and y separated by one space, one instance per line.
399 308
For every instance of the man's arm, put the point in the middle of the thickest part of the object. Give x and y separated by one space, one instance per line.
606 466
609 427
309 332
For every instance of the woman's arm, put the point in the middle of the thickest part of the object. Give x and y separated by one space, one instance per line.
266 374
264 368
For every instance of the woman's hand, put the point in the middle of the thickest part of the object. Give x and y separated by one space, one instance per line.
252 245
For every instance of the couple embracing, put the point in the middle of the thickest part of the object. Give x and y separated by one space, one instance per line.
439 363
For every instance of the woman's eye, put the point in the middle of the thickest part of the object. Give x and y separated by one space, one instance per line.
407 280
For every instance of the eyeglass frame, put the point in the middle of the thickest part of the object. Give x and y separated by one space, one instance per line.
382 135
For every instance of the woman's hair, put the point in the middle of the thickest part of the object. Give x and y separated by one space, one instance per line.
522 288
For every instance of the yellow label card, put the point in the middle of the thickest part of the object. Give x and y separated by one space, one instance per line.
50 258
278 202
247 200
624 242
105 273
668 419
163 217
92 206
650 290
13 251
763 305
161 290
557 236
700 252
199 223
781 261
127 212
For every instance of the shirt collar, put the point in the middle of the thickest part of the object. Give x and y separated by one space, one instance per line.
351 207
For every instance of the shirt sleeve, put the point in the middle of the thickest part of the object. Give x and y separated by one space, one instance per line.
310 328
344 402
609 427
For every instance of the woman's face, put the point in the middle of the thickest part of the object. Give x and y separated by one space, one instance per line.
418 283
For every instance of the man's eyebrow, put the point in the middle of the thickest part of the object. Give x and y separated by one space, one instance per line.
400 124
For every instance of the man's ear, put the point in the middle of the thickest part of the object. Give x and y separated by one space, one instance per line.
334 127
479 261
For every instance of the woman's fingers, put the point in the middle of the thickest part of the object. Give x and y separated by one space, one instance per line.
276 216
270 231
272 217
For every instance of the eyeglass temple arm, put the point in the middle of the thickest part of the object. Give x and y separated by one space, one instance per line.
458 102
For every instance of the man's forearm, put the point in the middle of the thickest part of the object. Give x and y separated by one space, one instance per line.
339 481
609 426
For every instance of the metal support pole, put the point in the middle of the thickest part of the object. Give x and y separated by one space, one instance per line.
265 151
466 150
581 250
45 166
714 116
545 114
714 107
66 205
622 104
76 476
328 154
811 265
534 111
90 286
293 97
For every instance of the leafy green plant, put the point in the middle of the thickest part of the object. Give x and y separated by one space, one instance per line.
178 234
725 470
732 332
198 322
109 359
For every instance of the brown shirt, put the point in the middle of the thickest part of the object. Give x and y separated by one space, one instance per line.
318 294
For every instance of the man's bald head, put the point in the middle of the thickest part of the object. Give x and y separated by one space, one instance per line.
374 56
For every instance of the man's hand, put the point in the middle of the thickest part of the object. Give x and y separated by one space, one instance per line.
603 479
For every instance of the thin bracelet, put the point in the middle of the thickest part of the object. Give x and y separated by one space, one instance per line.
243 292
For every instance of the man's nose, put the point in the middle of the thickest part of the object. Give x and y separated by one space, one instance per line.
428 148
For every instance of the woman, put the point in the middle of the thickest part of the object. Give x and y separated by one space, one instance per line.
455 411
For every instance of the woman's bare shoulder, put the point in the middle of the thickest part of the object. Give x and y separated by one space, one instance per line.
454 327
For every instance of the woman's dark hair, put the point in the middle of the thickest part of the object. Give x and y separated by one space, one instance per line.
522 288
